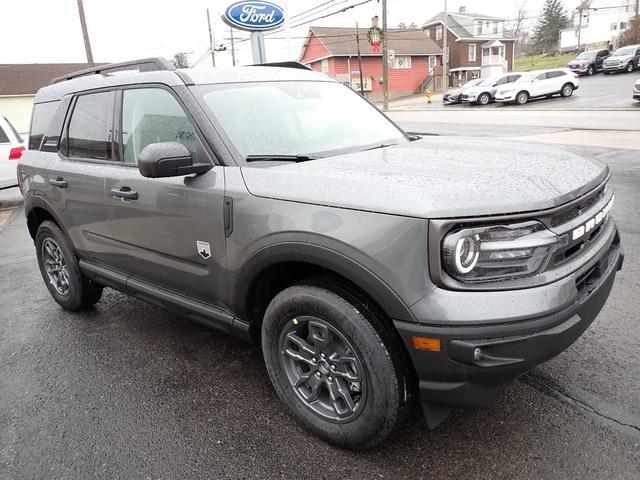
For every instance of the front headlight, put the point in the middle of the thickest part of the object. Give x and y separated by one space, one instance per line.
498 252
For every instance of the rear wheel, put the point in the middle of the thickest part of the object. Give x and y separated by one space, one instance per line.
60 270
484 99
522 98
630 67
334 364
567 90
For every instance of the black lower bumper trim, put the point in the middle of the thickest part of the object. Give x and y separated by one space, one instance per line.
477 362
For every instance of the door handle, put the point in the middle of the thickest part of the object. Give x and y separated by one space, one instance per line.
58 182
124 192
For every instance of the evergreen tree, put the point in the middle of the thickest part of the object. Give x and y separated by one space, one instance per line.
546 35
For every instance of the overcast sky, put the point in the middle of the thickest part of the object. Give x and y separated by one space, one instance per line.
48 31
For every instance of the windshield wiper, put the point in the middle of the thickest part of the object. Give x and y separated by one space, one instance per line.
382 145
280 158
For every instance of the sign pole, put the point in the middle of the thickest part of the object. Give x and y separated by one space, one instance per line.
257 48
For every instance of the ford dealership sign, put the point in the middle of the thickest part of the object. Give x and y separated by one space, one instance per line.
254 16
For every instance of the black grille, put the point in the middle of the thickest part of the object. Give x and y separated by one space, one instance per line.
576 209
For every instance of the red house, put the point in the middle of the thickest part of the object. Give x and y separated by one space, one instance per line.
413 59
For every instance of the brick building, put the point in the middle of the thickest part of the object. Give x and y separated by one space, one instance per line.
478 45
413 59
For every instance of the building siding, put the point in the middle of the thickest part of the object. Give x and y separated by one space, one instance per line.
17 109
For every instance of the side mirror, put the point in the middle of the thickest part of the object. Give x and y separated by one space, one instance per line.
168 159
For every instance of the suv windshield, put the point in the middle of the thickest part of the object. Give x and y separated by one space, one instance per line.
586 56
625 51
296 119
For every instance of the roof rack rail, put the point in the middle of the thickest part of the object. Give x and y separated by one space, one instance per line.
283 65
144 65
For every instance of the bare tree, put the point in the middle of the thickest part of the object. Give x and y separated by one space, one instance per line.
518 23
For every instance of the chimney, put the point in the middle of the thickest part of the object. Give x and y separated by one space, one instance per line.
462 9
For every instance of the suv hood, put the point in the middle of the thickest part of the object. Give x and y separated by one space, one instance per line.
617 58
435 177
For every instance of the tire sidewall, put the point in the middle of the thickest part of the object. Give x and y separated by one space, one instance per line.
74 299
567 90
630 67
590 70
378 415
484 97
520 96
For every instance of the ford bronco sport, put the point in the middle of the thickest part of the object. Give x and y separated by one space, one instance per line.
273 203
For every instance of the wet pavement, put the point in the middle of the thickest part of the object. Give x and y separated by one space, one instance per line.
127 390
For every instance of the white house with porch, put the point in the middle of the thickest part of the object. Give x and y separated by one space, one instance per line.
597 23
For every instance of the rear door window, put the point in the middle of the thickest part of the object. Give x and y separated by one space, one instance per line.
89 134
153 115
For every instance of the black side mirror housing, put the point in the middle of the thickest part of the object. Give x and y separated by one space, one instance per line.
168 159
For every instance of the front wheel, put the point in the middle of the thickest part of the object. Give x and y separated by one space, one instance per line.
484 99
567 90
590 71
60 270
522 98
630 67
335 366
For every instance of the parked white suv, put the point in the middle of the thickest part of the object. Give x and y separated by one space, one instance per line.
11 148
540 83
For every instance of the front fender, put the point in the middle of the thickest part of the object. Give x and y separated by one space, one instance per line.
319 256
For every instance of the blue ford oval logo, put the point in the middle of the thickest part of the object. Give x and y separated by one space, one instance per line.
256 15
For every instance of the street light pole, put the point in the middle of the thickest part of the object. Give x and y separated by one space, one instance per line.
385 58
444 49
85 33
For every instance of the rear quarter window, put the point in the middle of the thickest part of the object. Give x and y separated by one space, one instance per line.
41 119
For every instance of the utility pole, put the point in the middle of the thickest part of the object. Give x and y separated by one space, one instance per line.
233 49
445 83
579 25
385 58
85 33
213 56
359 60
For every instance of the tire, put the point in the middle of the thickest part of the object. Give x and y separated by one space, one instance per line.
630 67
522 98
60 270
567 90
484 99
322 326
590 71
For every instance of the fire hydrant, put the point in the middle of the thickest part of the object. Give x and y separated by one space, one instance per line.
429 95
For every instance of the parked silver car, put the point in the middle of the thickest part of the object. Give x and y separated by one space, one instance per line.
485 91
454 95
624 59
636 90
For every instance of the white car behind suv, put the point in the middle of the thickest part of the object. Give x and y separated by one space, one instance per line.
11 148
540 83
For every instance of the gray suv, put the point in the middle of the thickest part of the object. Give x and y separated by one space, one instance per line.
375 269
624 59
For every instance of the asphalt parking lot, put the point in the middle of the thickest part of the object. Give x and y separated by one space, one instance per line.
127 390
596 92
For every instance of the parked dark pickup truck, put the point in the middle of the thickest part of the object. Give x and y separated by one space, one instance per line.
374 268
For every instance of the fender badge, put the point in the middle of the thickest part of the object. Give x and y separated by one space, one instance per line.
203 249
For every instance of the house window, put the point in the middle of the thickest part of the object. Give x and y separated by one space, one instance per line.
438 33
324 66
623 25
475 73
614 26
478 27
367 84
495 27
472 52
402 61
